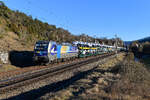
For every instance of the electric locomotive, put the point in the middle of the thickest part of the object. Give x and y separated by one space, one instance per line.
49 51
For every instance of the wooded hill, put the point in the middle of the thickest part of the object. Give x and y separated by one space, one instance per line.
30 30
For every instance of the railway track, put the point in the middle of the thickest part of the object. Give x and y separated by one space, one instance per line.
25 79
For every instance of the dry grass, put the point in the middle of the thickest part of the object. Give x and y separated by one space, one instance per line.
112 63
130 83
5 68
135 81
11 42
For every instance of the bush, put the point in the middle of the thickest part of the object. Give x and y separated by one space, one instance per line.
130 56
1 36
146 47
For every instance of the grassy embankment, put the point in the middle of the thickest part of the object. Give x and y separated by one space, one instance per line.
135 81
130 82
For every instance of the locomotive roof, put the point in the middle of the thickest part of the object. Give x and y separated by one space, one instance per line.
42 41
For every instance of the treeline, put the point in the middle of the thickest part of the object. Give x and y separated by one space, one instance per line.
142 48
31 30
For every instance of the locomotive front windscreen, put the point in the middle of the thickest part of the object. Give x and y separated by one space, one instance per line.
41 46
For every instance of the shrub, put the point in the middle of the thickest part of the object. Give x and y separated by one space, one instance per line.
1 36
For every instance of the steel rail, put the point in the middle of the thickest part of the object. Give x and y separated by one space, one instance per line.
16 82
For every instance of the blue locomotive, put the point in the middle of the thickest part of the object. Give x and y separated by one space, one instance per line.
49 51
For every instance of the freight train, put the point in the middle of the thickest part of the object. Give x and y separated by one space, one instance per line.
49 51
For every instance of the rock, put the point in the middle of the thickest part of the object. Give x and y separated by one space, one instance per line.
105 83
118 76
4 57
109 74
102 81
93 90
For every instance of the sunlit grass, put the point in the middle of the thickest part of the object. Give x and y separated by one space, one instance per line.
5 68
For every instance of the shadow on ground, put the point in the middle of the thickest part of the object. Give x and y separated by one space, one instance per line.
21 58
55 87
52 88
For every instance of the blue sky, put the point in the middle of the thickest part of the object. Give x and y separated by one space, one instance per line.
129 19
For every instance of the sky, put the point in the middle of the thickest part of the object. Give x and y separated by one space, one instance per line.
129 19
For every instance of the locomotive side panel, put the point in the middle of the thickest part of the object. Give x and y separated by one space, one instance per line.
52 55
69 51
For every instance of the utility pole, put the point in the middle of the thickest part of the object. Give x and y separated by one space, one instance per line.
116 42
95 38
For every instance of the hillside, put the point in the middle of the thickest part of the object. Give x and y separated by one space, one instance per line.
28 29
146 39
140 47
18 30
127 42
